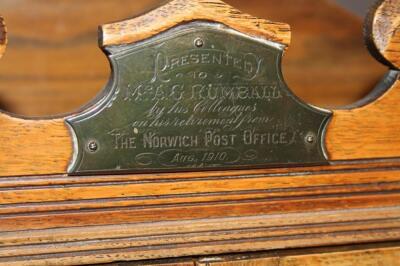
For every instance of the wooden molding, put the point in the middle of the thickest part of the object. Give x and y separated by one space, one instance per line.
361 255
182 11
56 220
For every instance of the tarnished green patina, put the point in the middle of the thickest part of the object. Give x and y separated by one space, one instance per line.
200 96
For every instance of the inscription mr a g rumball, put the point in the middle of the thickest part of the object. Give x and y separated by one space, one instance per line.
178 92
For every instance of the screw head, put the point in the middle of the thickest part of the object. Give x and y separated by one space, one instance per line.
310 138
199 43
92 146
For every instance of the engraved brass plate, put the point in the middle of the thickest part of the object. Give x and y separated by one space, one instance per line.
199 96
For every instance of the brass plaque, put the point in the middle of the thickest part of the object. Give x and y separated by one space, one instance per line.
200 96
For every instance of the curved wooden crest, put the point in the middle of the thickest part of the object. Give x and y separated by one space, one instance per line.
182 11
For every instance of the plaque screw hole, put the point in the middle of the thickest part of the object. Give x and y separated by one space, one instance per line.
93 146
199 43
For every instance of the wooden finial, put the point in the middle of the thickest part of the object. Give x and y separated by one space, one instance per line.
3 37
181 11
383 32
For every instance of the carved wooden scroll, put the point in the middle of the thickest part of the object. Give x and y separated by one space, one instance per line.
383 32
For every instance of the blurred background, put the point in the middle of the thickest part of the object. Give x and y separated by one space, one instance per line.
53 64
359 7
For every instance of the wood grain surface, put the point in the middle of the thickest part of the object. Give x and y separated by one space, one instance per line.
360 255
368 255
54 67
33 147
373 256
384 38
370 131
